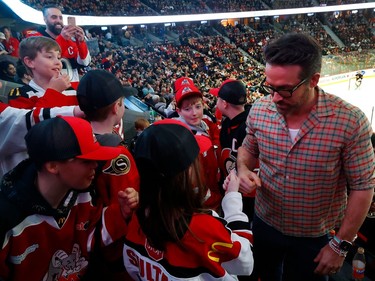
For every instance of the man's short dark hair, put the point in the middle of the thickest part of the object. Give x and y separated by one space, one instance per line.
49 6
295 49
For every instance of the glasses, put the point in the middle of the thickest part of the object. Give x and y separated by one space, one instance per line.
285 93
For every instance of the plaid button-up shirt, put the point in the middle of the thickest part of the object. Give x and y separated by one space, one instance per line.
304 182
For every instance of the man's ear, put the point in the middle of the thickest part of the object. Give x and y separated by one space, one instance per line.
314 80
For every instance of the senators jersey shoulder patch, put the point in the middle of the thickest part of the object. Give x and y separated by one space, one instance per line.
118 166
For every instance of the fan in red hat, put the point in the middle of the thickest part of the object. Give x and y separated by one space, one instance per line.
190 106
187 91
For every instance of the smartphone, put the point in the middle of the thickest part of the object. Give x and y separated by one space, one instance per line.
72 21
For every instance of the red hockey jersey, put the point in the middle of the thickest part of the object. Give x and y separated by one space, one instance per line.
209 162
39 242
213 248
14 124
32 95
116 174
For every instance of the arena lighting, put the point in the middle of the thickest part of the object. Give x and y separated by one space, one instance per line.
354 11
125 27
104 28
29 14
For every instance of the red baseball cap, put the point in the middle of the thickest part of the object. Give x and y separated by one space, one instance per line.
187 91
182 82
62 138
214 91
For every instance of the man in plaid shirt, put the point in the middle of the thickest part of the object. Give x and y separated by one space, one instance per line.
312 147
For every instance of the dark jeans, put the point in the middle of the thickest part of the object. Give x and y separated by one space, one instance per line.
280 257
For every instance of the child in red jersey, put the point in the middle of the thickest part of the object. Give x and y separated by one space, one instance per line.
16 122
101 97
70 37
172 236
189 106
49 224
48 88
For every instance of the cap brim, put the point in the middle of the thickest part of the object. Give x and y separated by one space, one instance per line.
130 91
214 91
188 95
204 143
102 153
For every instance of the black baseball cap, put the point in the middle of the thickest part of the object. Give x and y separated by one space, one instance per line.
167 147
100 88
233 91
62 138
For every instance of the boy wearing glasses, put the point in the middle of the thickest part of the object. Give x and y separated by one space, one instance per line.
310 145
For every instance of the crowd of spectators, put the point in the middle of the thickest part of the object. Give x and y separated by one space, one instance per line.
339 2
311 24
229 52
347 62
234 5
97 7
282 4
249 40
354 30
211 53
176 7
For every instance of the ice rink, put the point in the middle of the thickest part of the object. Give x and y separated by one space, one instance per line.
362 97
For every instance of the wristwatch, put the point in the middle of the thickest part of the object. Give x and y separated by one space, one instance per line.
344 245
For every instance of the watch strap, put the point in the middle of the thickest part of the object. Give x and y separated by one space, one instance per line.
343 245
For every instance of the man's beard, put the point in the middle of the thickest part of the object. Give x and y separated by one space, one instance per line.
53 29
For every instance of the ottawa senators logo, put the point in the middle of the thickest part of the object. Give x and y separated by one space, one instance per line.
119 166
155 254
227 160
